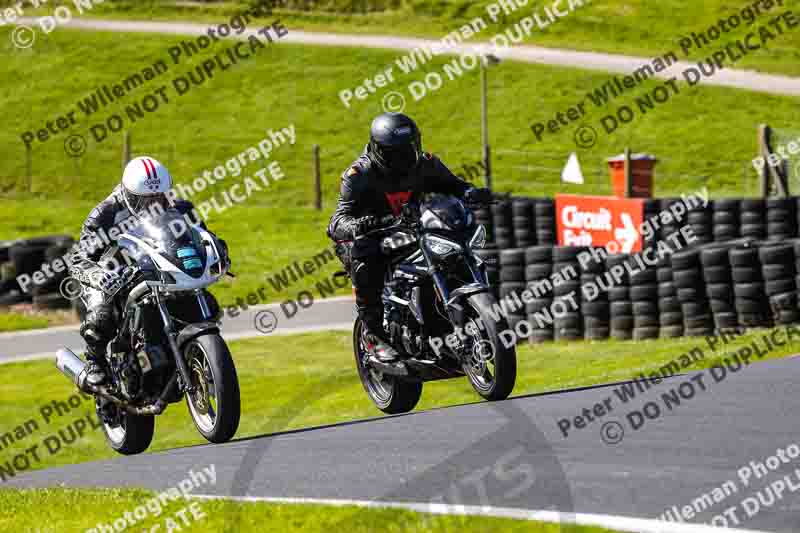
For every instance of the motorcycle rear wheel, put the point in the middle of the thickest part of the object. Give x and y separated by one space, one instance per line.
132 435
389 393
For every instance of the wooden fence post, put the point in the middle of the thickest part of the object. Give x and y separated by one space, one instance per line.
317 178
29 168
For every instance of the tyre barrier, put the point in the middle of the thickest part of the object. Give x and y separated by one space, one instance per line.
523 222
26 256
539 266
512 280
741 271
519 222
568 325
698 291
620 303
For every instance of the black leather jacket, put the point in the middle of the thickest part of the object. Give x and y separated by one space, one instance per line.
97 235
366 191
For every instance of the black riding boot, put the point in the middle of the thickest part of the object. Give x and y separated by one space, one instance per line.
377 343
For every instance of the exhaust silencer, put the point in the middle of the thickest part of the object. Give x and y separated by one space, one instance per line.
72 366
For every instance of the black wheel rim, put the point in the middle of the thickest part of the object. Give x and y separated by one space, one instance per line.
379 386
480 361
203 402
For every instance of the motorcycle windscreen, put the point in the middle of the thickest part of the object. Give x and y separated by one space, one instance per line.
450 211
177 240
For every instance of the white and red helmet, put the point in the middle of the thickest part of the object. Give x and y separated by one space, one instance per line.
145 182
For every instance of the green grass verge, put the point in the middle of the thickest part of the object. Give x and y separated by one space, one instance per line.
57 510
18 321
637 27
311 380
705 136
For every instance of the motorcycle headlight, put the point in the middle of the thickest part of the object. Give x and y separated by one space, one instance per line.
440 247
478 239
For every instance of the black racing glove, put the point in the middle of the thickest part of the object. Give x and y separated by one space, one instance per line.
365 224
478 196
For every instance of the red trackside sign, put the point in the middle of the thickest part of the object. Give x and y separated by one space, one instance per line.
600 221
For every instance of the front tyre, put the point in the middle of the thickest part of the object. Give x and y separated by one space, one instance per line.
390 394
489 365
215 404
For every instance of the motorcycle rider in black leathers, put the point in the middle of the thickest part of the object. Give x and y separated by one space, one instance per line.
143 191
392 170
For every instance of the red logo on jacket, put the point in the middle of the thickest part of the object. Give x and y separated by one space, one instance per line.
397 200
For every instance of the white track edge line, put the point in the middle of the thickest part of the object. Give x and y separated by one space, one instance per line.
619 523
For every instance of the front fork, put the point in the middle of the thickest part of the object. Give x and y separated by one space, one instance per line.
455 311
172 335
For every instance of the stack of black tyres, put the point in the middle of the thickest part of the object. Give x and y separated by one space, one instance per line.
483 216
48 295
523 222
781 218
568 322
718 277
725 220
502 220
619 300
512 280
538 269
544 211
670 224
491 260
778 269
651 210
752 306
594 300
643 292
27 257
9 288
700 220
670 314
753 218
688 279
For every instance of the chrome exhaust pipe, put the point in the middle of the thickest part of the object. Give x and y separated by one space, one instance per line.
72 366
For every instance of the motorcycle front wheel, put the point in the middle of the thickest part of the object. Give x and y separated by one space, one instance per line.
389 393
489 365
214 403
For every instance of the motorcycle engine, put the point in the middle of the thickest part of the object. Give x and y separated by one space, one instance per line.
139 370
403 330
125 367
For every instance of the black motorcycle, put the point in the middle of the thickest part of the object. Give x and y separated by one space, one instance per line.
438 309
168 343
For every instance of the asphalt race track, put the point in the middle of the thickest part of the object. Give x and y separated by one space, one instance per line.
331 313
513 455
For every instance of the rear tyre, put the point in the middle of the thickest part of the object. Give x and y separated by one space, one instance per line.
390 394
490 366
130 434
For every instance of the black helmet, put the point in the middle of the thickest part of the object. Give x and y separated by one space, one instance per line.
395 143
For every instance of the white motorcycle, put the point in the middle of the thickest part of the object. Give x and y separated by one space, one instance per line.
168 345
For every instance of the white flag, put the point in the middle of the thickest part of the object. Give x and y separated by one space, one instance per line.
572 171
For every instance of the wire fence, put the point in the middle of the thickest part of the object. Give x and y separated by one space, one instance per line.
51 169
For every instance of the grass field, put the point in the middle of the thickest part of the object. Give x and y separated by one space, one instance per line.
638 27
703 136
18 321
311 380
62 510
